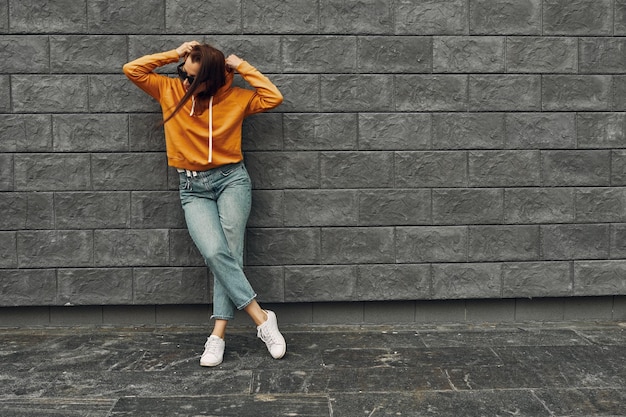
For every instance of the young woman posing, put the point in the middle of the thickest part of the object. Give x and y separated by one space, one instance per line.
202 119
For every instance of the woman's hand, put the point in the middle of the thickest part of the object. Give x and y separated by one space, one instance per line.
186 47
233 61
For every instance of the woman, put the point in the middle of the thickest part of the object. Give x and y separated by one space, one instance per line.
202 119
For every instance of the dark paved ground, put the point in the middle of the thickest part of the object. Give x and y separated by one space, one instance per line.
566 369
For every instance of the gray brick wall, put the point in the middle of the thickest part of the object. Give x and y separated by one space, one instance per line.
426 150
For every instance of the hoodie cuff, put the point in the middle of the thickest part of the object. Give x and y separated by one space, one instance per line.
244 67
173 55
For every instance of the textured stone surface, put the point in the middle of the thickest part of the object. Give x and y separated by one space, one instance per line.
511 92
542 54
105 133
537 279
320 131
394 207
48 16
133 247
596 205
528 370
87 53
577 17
386 54
357 245
567 168
540 130
428 149
504 168
431 169
467 206
55 248
90 286
25 54
356 93
599 277
4 15
432 244
89 210
316 54
388 131
320 208
602 130
468 54
283 246
604 55
50 93
118 16
131 171
395 282
449 17
468 131
26 211
26 133
170 286
505 17
356 169
323 283
361 17
539 205
503 243
223 15
8 250
587 241
431 92
467 280
576 92
28 287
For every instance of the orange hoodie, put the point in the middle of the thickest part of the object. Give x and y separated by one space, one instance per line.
199 142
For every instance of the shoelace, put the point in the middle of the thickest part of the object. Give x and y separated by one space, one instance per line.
212 346
266 336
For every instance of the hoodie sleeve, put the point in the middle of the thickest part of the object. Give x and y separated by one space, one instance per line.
141 71
266 96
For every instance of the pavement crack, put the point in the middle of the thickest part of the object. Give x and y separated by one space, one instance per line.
454 388
542 402
330 407
378 407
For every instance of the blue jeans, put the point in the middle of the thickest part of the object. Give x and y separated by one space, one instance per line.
217 205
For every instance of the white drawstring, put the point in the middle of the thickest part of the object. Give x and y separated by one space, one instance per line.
193 105
211 129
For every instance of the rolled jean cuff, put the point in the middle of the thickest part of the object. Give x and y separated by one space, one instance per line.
229 317
247 303
221 318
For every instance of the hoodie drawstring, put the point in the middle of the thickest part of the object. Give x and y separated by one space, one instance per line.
211 129
193 105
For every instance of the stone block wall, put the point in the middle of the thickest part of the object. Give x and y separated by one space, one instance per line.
426 150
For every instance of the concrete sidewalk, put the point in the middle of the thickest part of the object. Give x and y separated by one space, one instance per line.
533 369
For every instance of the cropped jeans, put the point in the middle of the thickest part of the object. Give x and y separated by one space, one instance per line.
217 205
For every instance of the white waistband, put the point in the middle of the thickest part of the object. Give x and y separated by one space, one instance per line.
189 172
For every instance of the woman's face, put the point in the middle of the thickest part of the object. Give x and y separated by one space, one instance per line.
192 69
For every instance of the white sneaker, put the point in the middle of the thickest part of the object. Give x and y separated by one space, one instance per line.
213 351
269 333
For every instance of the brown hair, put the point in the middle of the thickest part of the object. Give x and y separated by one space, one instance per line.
212 74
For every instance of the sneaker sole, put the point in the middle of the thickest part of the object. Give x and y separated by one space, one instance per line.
208 364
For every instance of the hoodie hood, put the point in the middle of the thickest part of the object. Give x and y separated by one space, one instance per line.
224 90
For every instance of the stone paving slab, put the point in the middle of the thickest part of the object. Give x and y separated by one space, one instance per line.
534 369
226 406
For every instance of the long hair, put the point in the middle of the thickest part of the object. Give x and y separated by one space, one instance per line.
212 75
